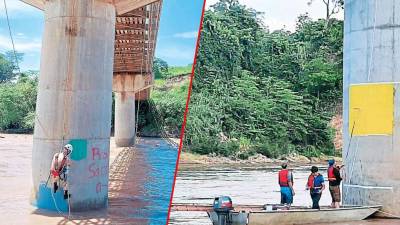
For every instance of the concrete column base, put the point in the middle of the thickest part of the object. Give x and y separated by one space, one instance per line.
125 123
74 103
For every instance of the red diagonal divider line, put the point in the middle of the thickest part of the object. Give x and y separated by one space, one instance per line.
186 112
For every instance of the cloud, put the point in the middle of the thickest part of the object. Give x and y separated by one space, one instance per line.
21 45
188 35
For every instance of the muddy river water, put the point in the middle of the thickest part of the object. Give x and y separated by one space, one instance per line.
139 187
244 186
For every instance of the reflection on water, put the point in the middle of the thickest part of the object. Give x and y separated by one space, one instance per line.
244 185
142 192
158 185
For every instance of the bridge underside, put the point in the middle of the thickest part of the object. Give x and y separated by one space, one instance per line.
121 6
135 40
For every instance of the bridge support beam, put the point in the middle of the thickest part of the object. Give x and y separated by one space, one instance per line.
371 104
74 102
125 119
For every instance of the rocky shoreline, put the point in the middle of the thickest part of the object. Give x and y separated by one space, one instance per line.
190 160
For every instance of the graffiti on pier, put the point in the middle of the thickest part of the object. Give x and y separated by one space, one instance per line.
101 187
98 167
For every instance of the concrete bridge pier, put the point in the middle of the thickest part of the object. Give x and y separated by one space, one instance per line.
74 101
371 104
125 119
87 44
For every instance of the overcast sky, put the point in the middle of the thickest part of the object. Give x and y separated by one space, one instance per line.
283 13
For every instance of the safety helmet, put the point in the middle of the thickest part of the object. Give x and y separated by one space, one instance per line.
69 148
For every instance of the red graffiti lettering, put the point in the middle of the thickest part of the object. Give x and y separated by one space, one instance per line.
94 170
96 153
99 155
100 187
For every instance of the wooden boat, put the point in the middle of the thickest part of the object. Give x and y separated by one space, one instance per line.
275 215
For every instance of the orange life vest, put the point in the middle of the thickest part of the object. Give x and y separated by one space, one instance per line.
58 168
331 175
310 182
283 178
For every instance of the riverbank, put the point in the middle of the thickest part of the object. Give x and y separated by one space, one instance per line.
191 161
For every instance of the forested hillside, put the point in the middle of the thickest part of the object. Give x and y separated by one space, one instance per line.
261 91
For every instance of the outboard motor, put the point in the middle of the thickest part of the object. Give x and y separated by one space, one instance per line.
222 207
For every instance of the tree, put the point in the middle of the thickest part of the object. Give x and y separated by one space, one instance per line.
160 68
225 5
9 66
17 102
332 7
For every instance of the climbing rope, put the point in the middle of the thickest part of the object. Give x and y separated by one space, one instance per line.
66 185
11 36
146 65
152 107
141 74
36 116
68 199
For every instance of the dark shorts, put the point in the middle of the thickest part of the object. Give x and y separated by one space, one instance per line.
286 195
335 193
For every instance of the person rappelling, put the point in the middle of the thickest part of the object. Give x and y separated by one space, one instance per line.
59 169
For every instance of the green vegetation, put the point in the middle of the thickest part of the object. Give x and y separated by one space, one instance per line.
162 114
159 116
8 66
163 71
17 103
180 70
257 91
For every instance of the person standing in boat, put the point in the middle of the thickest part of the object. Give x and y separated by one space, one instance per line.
285 180
334 179
316 185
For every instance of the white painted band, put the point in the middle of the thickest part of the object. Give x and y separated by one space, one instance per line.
382 82
367 187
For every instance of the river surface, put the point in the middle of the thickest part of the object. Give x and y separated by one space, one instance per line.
244 186
139 187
